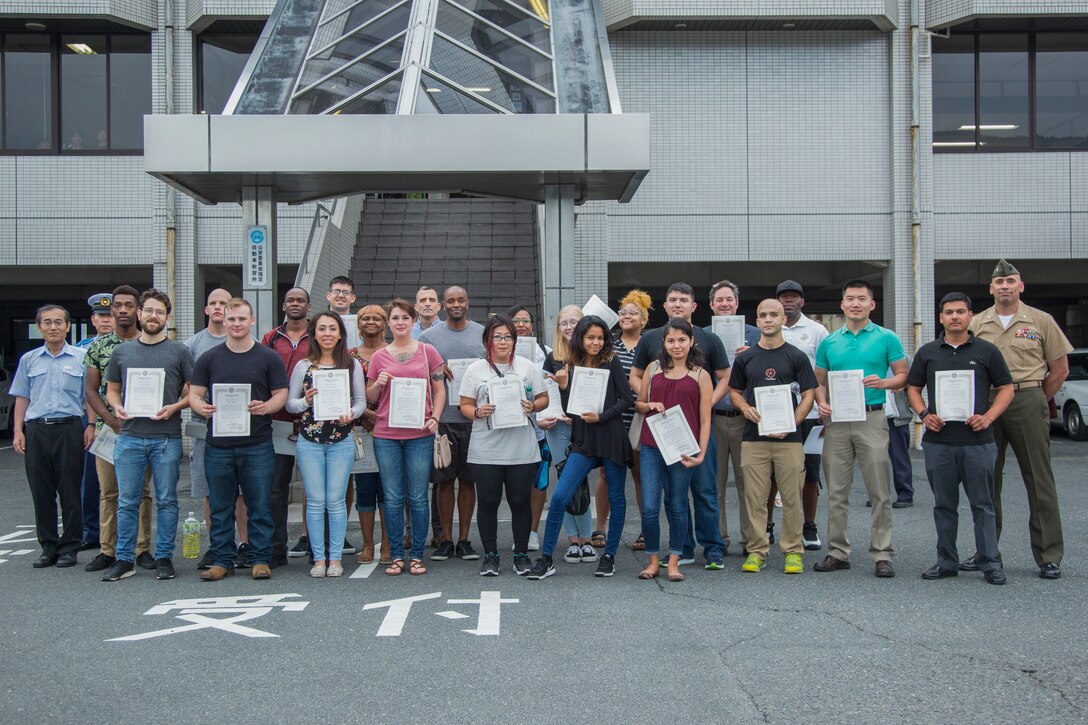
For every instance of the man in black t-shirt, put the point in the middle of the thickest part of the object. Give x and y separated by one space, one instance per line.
680 302
773 362
239 454
962 450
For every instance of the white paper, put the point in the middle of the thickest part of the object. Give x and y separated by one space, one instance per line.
955 394
587 390
846 395
458 366
104 441
673 435
506 394
407 403
555 402
775 406
144 389
283 437
526 348
596 306
730 328
814 444
369 464
333 398
231 417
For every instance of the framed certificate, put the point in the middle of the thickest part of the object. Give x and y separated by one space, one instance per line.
775 406
730 328
144 388
847 396
231 417
333 399
104 441
526 348
673 435
955 393
407 403
596 306
506 394
458 366
587 391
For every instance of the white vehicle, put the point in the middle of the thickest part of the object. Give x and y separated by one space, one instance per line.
7 402
1071 400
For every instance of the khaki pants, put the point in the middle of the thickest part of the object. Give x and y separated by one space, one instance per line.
866 443
728 432
107 511
1025 425
787 462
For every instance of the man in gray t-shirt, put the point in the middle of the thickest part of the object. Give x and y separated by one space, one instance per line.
460 338
154 440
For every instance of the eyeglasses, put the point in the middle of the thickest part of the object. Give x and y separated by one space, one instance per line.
624 313
502 338
153 313
522 321
341 292
52 323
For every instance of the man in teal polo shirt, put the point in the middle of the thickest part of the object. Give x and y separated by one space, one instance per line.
859 344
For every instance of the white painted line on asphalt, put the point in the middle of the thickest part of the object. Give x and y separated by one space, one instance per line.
6 448
4 552
10 538
25 526
364 571
22 552
2 561
452 615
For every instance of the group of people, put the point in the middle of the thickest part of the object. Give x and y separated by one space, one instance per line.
458 414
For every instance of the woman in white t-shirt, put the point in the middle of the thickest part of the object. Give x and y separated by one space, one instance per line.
502 456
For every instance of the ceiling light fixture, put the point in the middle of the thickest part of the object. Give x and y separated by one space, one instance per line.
434 90
81 48
992 127
950 144
478 89
680 26
789 26
35 25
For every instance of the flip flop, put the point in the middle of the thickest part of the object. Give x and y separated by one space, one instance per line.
639 545
597 539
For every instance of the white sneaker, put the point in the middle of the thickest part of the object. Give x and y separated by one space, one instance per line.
574 554
589 554
685 562
534 541
778 500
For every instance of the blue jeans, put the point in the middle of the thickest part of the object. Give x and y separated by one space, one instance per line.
368 492
578 467
406 472
325 469
674 481
249 469
131 457
704 497
558 438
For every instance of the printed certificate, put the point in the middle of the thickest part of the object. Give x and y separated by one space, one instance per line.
144 389
526 347
555 402
955 394
596 306
458 366
730 328
587 390
673 435
231 417
846 395
506 394
104 441
407 403
775 406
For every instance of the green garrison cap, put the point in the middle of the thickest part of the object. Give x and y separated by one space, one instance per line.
1004 269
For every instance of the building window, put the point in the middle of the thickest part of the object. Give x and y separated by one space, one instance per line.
74 93
221 58
1010 92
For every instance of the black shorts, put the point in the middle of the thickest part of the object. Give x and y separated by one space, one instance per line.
812 461
458 433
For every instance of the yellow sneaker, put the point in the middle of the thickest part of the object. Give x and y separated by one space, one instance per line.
753 564
794 564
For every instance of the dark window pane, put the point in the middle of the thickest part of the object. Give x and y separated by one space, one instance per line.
954 92
350 80
28 86
538 8
1061 90
380 101
438 97
83 93
130 89
1003 90
222 59
495 44
499 12
482 78
342 24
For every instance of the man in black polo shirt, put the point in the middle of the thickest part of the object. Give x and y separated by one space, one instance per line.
961 451
680 302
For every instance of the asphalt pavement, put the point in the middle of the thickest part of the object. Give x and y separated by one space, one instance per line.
719 647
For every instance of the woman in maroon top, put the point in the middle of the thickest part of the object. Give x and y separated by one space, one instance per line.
675 378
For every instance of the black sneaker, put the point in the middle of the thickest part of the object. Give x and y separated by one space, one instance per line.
770 533
301 549
606 566
522 564
206 561
490 567
241 559
542 569
164 569
145 561
349 548
100 563
810 537
465 550
443 552
120 570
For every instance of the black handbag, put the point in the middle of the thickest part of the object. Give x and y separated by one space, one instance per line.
579 502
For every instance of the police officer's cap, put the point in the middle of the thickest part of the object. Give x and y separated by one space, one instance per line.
100 302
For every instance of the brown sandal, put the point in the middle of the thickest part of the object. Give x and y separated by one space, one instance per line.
384 558
415 567
366 555
639 545
396 567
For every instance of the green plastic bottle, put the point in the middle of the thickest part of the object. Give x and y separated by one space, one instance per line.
190 542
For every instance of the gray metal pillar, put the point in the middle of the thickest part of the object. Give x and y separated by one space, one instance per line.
558 252
259 260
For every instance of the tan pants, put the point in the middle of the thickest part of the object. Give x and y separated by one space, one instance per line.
107 511
787 462
866 443
727 439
